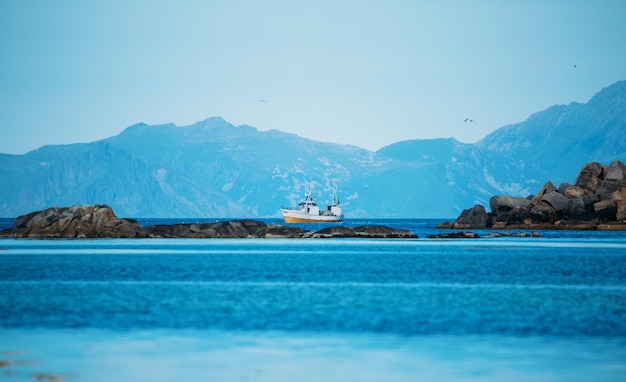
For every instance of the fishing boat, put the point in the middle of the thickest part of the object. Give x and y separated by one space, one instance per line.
309 212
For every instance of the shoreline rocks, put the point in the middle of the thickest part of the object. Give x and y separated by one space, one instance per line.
596 201
367 231
99 221
455 235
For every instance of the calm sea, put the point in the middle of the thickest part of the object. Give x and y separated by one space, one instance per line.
551 308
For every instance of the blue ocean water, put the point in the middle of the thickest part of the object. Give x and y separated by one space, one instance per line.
504 308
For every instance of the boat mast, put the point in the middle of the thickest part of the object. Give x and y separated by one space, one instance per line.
335 201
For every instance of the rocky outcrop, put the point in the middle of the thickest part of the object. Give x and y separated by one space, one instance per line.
556 200
281 231
621 206
226 229
369 231
589 176
511 234
597 200
503 203
222 229
75 222
454 235
99 221
472 217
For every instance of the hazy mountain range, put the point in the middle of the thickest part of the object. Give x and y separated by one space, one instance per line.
215 169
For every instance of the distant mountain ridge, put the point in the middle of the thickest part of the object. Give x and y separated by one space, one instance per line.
215 169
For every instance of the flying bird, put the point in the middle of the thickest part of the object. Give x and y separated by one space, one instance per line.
468 120
263 100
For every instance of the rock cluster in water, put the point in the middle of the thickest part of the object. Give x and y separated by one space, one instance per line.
596 200
99 221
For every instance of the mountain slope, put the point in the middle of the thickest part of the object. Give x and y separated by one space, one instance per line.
215 169
557 142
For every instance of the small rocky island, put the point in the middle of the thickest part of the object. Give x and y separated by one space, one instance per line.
99 221
596 201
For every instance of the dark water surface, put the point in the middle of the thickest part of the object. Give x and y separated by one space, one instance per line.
549 308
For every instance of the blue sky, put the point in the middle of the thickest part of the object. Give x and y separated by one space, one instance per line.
367 73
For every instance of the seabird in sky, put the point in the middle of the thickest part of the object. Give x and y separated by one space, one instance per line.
468 120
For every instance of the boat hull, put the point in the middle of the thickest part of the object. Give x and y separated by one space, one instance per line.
291 216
